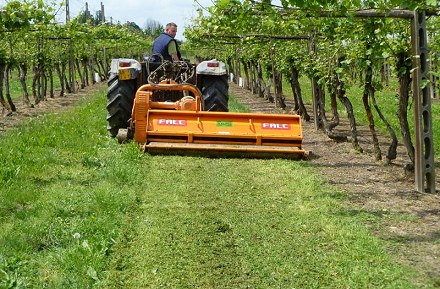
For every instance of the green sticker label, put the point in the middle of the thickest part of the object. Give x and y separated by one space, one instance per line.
224 123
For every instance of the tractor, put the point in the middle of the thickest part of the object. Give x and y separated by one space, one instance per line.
179 107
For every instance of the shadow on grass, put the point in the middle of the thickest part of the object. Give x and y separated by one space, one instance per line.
378 219
431 237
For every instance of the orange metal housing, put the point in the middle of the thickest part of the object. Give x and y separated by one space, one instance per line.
183 127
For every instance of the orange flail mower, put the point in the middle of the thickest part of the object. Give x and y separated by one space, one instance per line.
182 124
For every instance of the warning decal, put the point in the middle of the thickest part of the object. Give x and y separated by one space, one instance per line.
172 122
278 126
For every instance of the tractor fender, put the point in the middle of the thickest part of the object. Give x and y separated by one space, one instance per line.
118 64
211 67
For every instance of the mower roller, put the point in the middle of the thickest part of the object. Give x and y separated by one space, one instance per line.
190 122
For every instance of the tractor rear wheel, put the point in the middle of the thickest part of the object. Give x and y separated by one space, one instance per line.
120 96
214 92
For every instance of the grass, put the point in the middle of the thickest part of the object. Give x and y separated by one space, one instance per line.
80 211
16 90
235 106
56 186
190 232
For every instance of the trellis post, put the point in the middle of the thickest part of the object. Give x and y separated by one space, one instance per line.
311 46
424 141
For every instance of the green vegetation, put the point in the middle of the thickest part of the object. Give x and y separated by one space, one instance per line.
192 232
388 103
338 50
79 210
63 199
37 45
16 90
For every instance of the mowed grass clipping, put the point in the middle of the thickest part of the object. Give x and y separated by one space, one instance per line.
78 210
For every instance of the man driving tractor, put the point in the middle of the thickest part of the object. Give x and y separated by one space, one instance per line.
166 45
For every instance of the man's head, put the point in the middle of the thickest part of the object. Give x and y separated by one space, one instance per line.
171 29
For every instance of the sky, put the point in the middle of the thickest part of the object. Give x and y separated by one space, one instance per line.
139 11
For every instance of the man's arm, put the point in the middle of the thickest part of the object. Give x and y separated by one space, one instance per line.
175 57
172 50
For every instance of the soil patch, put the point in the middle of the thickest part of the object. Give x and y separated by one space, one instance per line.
50 105
386 193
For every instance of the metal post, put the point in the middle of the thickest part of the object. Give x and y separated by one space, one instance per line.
424 142
312 54
71 60
272 55
105 48
67 11
102 13
87 12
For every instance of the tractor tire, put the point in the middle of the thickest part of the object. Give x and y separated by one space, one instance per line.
214 92
120 97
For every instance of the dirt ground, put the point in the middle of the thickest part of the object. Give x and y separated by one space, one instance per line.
50 105
410 220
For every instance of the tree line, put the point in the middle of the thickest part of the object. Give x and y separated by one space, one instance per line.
42 52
